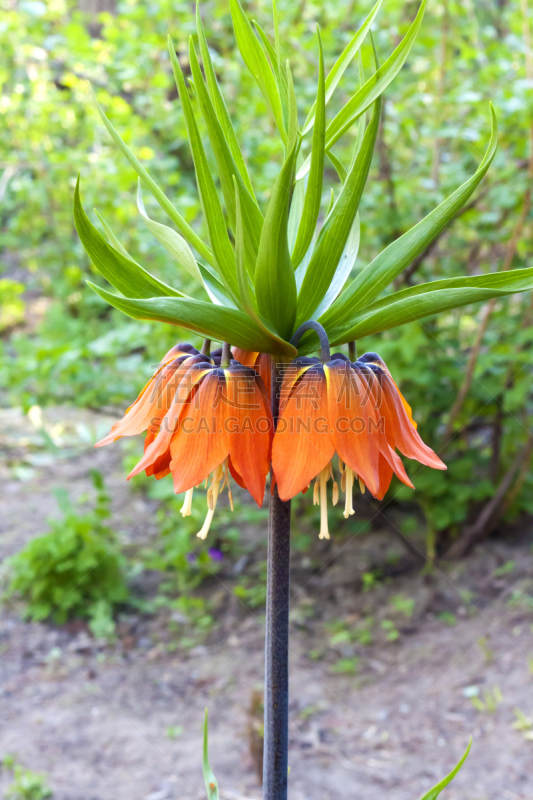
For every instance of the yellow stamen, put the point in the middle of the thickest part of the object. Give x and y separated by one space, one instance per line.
362 486
341 465
315 493
348 508
335 493
187 504
324 475
212 497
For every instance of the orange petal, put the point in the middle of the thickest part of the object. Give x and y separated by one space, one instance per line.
153 402
351 421
202 443
400 432
250 426
157 448
302 443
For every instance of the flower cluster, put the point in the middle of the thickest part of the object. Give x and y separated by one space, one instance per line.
208 417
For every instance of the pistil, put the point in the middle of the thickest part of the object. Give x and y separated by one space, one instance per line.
324 475
350 476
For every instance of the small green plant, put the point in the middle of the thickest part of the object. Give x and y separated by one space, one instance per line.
392 633
73 570
447 618
505 569
191 621
524 724
404 605
490 702
27 785
346 666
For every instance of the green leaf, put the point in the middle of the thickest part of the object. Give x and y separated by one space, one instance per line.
344 268
213 322
257 62
432 298
171 241
211 784
313 195
279 73
435 792
376 85
339 167
219 104
292 128
336 229
216 224
112 238
275 285
343 61
246 290
374 278
161 198
228 169
122 273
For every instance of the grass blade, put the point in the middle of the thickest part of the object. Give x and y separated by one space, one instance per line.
434 793
211 783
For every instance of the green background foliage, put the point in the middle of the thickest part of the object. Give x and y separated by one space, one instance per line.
62 344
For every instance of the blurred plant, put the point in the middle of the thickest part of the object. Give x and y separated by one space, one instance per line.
74 570
27 785
490 701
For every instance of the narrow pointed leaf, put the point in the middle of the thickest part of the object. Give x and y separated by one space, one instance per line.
339 167
171 241
397 256
376 85
227 168
432 298
211 783
344 268
292 126
257 62
220 106
336 229
213 322
122 273
343 61
159 195
313 194
435 792
275 285
216 224
243 276
279 73
297 204
112 238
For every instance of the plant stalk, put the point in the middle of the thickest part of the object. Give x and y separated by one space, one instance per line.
276 728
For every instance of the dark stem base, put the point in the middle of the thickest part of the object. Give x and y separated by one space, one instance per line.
276 736
275 759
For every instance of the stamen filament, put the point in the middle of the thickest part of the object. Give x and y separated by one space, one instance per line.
187 503
212 497
324 475
348 508
362 486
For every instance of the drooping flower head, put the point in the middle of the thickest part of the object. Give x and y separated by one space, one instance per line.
204 422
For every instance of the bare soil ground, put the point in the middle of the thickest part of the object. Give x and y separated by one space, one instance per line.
122 720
